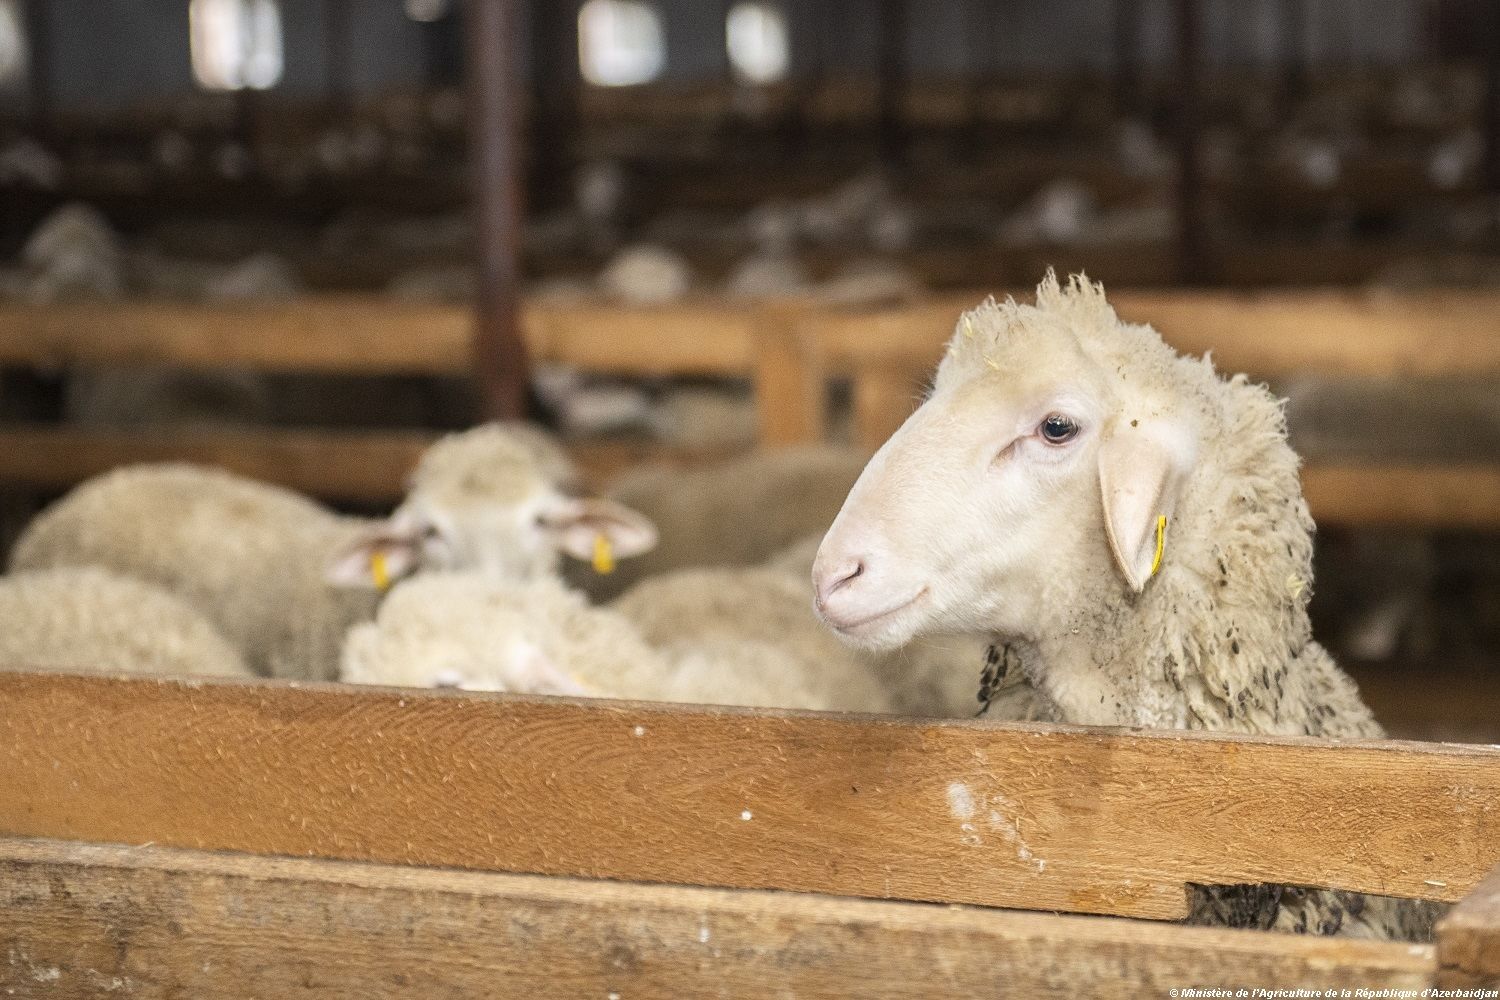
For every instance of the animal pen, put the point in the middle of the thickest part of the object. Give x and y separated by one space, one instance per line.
166 837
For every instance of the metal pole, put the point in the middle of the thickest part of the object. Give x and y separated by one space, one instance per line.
1190 242
1294 24
1491 110
500 363
556 84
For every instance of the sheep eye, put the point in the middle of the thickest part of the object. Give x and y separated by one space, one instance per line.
1058 429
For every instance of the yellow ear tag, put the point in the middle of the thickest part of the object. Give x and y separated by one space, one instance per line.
604 555
380 571
1161 542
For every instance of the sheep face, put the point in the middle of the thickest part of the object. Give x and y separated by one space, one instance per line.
492 500
1030 483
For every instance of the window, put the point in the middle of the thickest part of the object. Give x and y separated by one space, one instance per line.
427 11
12 45
620 42
235 43
757 39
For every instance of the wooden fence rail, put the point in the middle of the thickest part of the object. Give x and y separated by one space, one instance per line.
1032 817
146 922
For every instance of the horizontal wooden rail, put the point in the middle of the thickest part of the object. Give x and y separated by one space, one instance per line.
1266 334
1031 817
366 466
93 920
354 334
371 466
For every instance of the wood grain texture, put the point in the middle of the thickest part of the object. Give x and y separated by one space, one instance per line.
364 334
1265 334
1468 939
81 920
1023 816
368 466
1439 496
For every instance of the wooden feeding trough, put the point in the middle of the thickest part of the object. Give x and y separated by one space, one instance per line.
216 839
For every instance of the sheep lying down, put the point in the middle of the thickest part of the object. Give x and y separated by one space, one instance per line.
88 619
468 631
1126 528
283 577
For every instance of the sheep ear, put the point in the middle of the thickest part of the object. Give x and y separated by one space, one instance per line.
1141 471
580 523
377 557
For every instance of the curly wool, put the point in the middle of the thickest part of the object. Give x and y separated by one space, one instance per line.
1220 639
463 630
87 619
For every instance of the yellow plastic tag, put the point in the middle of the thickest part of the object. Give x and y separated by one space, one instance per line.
380 571
604 555
1161 542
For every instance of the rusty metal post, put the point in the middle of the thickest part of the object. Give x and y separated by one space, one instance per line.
1190 241
500 364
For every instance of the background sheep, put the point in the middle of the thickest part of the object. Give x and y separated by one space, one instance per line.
283 577
89 619
1126 527
466 631
738 513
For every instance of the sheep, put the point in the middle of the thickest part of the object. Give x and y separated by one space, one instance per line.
86 618
465 631
283 577
737 513
1124 526
646 274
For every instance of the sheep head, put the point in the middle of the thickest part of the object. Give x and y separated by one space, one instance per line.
1029 483
495 500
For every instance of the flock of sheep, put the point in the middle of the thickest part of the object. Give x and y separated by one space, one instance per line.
1109 533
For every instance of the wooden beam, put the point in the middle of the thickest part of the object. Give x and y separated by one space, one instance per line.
354 334
791 386
1047 818
501 367
367 466
1468 939
1433 497
152 922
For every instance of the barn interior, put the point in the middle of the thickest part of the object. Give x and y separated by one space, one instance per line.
661 176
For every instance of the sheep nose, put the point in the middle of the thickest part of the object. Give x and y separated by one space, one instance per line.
831 579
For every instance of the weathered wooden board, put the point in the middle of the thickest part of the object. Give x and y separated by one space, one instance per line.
1265 334
1438 496
1032 817
89 920
369 466
354 334
1468 946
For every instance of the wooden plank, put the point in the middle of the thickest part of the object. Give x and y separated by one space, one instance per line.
154 922
371 334
1026 816
336 334
884 397
791 387
338 465
1460 496
1468 939
369 466
1266 334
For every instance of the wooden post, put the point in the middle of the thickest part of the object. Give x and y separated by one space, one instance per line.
1491 33
1294 52
1468 939
791 384
500 361
555 85
883 399
1190 242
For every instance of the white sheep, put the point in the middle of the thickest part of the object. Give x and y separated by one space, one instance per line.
88 619
646 274
283 577
736 513
466 631
1123 525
